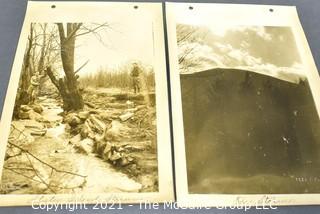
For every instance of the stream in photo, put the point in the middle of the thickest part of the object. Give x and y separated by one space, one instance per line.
68 171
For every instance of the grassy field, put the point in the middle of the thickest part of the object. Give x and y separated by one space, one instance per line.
116 78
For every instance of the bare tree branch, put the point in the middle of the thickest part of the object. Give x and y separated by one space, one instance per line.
61 31
73 30
35 157
39 176
82 66
92 30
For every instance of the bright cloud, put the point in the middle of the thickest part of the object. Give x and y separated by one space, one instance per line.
243 47
221 31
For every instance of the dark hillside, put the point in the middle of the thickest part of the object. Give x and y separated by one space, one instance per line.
240 123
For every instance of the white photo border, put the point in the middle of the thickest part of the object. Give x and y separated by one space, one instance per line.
85 12
231 14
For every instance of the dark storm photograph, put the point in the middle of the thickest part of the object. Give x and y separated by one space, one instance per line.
250 121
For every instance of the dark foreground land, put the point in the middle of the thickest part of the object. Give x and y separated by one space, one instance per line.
249 133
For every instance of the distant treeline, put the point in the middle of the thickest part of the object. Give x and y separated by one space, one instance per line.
121 78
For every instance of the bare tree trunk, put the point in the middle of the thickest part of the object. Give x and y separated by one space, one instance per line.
41 64
23 97
43 49
68 87
26 67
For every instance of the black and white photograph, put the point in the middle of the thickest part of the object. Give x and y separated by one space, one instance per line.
249 119
85 115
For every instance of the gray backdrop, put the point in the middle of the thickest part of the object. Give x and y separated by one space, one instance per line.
11 19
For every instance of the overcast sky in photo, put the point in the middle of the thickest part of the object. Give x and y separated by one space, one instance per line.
263 49
126 40
120 43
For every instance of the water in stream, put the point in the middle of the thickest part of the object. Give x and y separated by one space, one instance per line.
54 149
